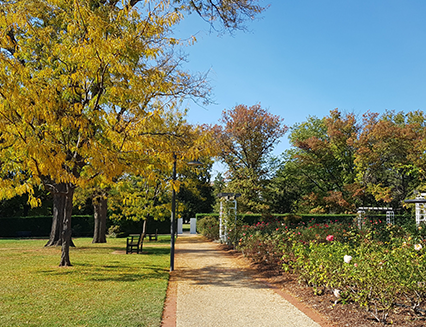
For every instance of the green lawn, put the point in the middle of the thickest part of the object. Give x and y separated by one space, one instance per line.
105 287
186 227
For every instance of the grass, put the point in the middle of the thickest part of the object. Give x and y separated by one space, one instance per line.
186 227
105 287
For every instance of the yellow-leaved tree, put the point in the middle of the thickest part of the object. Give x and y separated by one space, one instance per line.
143 191
84 88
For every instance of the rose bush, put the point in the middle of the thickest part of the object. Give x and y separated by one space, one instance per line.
208 227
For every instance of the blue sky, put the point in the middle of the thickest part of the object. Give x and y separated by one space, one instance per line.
308 57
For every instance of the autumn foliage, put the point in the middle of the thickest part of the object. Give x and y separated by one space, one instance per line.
86 88
343 162
246 139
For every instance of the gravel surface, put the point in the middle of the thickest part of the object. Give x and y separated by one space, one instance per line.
215 289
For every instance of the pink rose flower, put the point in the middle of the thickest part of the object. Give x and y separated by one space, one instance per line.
330 238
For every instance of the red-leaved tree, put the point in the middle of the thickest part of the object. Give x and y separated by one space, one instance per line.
246 137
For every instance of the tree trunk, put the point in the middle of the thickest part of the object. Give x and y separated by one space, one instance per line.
66 231
144 228
55 238
100 202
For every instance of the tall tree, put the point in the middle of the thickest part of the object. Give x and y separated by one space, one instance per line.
388 156
84 84
81 91
246 137
323 158
147 194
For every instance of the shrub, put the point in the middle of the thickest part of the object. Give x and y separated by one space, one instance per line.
209 227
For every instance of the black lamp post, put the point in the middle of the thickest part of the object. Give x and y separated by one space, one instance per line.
173 218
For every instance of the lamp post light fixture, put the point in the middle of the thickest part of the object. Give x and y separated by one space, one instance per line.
192 163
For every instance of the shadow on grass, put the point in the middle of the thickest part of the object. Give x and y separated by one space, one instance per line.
117 270
154 272
99 249
110 273
108 249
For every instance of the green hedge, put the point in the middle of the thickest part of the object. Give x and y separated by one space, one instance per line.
252 219
134 227
82 226
248 219
39 226
208 227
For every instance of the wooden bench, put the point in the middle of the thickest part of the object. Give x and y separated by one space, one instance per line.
135 242
153 236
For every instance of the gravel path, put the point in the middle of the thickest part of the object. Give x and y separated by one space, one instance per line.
216 289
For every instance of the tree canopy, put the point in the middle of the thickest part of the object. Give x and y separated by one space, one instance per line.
85 87
388 157
340 162
246 139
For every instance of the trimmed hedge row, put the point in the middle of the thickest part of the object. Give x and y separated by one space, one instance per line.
39 226
82 226
133 227
252 219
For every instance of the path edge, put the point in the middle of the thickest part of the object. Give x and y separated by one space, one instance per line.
170 304
313 314
307 310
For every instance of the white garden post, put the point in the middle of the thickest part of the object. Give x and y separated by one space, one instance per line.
389 214
390 217
359 218
180 226
420 210
419 201
223 219
193 226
